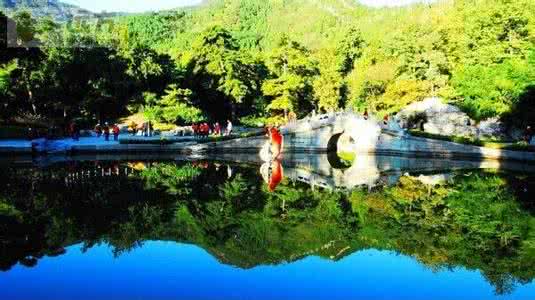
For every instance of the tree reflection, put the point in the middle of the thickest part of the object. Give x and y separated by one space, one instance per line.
475 221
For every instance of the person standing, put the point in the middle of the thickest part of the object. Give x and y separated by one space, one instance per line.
144 129
31 134
98 130
74 131
200 130
292 117
528 134
195 129
150 129
132 128
139 129
207 129
276 140
229 128
106 131
366 115
116 130
217 129
385 120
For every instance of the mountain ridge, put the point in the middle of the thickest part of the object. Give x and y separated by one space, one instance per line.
55 9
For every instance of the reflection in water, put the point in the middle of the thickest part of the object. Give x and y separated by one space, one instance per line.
444 218
229 172
273 173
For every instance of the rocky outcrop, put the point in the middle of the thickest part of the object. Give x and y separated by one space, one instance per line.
434 116
492 127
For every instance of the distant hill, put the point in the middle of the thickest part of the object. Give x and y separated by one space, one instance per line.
261 23
56 9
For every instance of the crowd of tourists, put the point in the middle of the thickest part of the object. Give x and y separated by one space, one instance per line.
203 130
100 131
107 130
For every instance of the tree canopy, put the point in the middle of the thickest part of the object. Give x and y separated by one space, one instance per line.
267 58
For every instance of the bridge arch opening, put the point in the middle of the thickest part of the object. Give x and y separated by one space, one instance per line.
332 145
339 151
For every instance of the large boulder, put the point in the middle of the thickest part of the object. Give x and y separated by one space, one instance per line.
434 116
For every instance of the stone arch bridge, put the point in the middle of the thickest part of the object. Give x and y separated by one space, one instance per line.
350 132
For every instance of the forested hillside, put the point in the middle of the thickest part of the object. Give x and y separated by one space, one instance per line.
260 59
49 8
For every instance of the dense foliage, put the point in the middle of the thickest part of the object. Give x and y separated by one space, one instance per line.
262 59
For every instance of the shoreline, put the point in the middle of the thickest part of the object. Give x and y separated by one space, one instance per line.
446 150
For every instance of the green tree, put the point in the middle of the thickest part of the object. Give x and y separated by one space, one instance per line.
349 49
176 106
493 91
26 29
290 84
217 69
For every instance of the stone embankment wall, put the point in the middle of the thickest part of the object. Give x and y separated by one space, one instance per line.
387 144
423 147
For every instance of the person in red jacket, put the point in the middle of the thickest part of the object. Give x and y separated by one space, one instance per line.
206 130
276 140
200 130
195 129
106 131
116 130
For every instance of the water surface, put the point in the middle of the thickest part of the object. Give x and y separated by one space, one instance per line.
231 228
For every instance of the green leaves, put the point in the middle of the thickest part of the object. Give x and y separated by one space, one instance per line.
263 57
174 107
349 49
5 76
25 29
328 88
492 91
292 72
284 92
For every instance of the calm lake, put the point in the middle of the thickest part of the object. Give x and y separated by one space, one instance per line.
233 227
